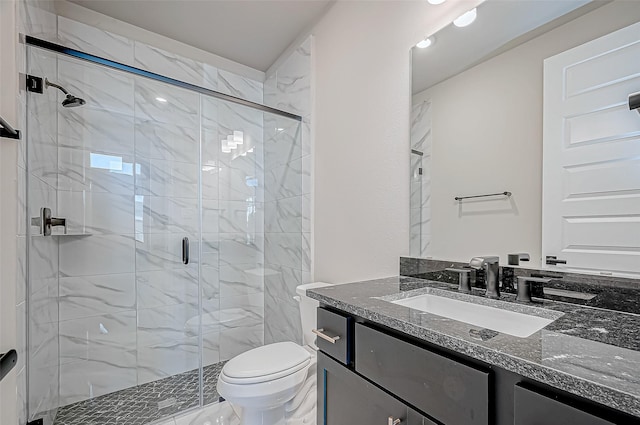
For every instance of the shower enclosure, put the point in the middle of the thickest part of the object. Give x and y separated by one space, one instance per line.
154 275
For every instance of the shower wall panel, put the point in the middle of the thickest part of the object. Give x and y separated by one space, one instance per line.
287 194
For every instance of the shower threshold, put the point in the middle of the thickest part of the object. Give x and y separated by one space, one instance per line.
144 403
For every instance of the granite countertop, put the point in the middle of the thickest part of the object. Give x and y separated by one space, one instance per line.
590 352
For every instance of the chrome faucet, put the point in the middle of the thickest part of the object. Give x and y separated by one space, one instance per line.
492 272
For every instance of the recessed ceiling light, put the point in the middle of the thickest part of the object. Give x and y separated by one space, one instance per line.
161 99
436 1
424 43
466 18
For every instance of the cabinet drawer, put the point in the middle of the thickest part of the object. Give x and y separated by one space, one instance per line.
344 398
335 325
531 408
446 390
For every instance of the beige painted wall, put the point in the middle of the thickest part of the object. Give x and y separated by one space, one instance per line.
8 200
361 181
487 137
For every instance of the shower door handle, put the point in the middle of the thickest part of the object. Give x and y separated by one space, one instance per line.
185 250
45 222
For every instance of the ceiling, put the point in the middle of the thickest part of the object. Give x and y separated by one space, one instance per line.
250 32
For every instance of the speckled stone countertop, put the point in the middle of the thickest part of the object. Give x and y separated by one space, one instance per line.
591 352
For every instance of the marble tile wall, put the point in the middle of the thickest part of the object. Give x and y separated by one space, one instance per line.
125 171
288 148
420 196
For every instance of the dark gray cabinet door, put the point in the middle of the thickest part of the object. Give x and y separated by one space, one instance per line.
344 398
531 408
445 389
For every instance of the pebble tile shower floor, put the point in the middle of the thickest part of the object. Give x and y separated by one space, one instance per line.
145 403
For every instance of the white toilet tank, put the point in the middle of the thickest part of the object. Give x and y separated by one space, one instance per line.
308 313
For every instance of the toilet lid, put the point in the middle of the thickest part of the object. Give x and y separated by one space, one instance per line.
264 363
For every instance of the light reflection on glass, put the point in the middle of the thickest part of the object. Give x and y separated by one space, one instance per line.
251 211
105 162
112 163
139 217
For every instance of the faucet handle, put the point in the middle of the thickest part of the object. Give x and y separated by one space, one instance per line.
524 286
464 284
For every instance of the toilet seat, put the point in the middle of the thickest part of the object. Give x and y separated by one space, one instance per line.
266 363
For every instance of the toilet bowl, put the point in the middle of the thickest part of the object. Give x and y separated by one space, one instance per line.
260 382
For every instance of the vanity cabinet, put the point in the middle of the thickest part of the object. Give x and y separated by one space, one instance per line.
345 398
381 376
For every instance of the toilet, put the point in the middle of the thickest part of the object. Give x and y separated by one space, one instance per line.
260 382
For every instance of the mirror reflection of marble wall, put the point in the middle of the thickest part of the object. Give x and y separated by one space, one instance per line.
486 136
420 180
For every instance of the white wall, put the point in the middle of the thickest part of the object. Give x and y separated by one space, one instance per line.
361 182
8 196
499 147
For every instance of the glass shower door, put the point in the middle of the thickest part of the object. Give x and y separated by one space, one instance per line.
39 183
114 301
167 239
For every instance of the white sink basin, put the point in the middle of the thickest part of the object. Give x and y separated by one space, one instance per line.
499 320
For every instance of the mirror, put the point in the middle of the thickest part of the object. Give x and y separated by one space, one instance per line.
477 129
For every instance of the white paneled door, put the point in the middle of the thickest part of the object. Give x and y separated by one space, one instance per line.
591 171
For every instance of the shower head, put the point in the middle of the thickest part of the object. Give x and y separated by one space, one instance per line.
70 101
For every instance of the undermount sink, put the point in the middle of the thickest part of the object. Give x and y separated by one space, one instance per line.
503 321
